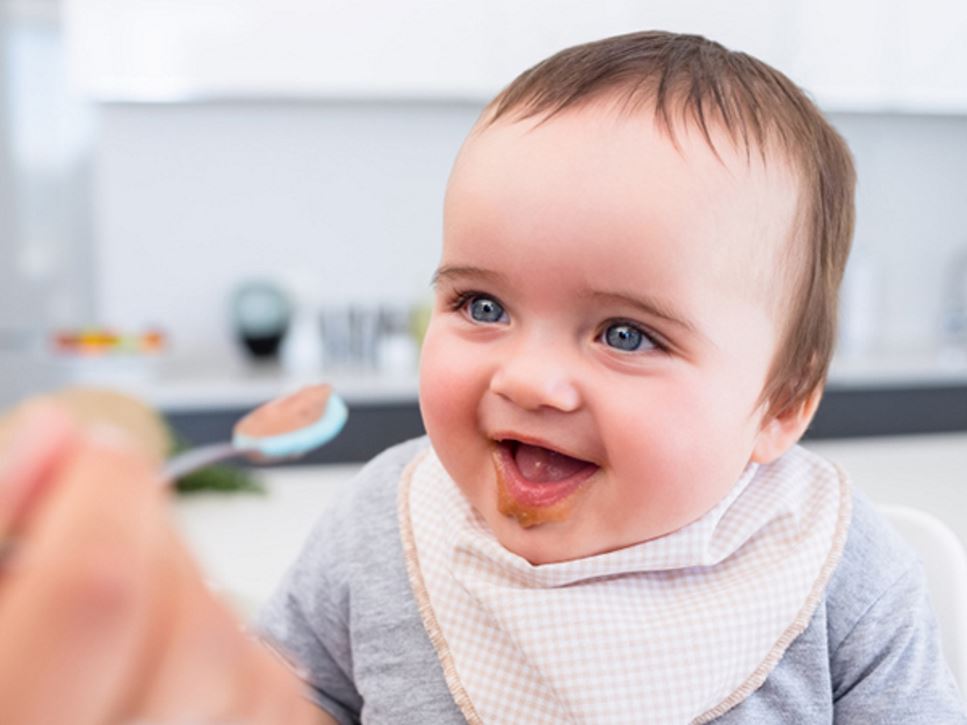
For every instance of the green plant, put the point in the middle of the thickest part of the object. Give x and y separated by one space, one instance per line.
220 477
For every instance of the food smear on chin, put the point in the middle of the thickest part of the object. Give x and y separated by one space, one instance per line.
528 514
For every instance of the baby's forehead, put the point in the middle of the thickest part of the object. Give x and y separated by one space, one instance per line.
712 150
696 181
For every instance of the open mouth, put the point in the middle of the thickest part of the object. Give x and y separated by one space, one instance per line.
533 479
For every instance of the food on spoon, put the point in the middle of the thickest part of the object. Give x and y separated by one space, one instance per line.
293 425
287 414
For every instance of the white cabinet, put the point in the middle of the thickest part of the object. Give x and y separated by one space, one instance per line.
903 55
852 54
186 49
176 49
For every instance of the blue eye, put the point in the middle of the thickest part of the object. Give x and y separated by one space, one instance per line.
485 309
623 336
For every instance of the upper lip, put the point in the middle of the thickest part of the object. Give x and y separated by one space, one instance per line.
505 436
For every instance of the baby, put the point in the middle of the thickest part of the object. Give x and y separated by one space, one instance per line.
610 520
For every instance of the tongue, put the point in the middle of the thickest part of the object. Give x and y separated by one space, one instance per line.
544 466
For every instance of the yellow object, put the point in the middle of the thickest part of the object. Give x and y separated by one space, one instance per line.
92 407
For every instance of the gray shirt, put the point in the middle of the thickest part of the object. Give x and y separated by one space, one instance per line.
345 613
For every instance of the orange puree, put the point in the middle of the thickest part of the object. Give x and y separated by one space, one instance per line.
277 417
528 516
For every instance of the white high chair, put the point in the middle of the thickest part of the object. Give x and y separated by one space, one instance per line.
945 564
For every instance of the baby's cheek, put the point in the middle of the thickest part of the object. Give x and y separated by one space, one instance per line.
665 457
451 387
446 387
653 430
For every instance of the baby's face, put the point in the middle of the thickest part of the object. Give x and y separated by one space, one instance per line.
605 319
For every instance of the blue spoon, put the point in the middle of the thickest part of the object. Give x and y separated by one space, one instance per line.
282 429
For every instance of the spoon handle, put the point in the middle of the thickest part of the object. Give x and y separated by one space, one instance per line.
195 458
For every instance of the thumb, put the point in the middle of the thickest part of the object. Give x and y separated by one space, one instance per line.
44 436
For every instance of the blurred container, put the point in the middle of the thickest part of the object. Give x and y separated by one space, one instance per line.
368 337
302 348
397 350
336 330
364 335
954 322
105 356
859 308
261 314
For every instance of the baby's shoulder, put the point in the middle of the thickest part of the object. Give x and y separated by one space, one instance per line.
364 507
874 564
358 526
373 488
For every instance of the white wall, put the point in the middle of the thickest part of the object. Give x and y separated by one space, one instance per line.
45 141
192 198
911 217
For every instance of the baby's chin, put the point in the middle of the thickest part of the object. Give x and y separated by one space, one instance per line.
581 536
545 543
537 552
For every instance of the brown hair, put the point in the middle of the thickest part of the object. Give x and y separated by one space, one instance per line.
690 78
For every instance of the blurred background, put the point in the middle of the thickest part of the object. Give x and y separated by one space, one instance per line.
162 157
207 202
202 201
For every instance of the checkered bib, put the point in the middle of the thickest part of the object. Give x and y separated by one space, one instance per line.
678 629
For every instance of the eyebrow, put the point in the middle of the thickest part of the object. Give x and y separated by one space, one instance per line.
451 271
651 306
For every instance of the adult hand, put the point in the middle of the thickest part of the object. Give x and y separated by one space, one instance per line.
104 617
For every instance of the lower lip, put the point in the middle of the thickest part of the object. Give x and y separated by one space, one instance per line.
531 494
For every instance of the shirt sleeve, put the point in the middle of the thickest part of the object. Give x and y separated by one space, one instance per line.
890 667
306 621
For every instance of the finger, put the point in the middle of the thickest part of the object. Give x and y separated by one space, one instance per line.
254 688
287 701
285 674
72 613
277 693
205 671
212 670
280 695
45 436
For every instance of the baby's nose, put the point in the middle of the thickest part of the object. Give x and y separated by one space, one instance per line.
532 381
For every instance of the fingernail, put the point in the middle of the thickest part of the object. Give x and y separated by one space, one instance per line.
33 427
41 430
110 436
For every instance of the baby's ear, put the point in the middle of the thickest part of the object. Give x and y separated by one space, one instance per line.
779 433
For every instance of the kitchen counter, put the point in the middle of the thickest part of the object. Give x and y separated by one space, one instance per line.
246 541
910 370
202 399
186 385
